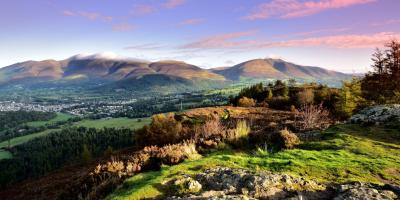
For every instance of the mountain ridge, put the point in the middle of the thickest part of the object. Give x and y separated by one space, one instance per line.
117 72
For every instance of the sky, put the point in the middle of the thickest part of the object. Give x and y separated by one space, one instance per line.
335 34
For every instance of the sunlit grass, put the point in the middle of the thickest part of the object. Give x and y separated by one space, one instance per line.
348 153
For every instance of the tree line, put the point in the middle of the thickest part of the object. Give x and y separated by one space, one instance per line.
12 119
68 146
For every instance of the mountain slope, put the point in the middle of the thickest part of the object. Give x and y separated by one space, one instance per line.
276 68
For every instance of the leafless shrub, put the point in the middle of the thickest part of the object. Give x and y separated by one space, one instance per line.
213 128
312 117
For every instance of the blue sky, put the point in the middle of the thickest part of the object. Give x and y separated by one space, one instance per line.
334 34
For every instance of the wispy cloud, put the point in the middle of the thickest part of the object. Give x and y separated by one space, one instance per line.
231 41
143 9
297 8
189 22
88 15
173 3
386 22
314 32
123 27
338 41
148 46
68 13
228 40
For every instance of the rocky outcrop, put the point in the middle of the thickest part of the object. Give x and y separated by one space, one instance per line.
357 191
227 183
377 114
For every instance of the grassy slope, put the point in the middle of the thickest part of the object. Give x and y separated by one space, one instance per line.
348 153
58 118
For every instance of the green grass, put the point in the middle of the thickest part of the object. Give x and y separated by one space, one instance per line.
348 153
5 154
115 123
22 139
58 118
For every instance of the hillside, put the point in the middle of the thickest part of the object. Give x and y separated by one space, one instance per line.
342 156
276 68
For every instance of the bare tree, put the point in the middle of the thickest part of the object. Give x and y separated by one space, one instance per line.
313 117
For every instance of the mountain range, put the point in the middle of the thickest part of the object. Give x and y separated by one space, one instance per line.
140 74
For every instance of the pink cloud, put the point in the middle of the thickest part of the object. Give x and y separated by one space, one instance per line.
173 3
228 40
88 15
313 32
68 13
296 8
143 9
190 22
338 41
123 27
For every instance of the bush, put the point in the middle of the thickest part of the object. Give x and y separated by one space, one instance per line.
312 117
212 128
239 137
164 129
246 102
305 96
287 140
281 103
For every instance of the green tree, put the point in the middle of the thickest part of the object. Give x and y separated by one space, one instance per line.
350 98
86 154
109 151
270 94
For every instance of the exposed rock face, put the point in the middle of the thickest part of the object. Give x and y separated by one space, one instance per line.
363 191
226 183
376 114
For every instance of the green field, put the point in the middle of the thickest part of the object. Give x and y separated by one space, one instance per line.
22 139
60 117
347 153
5 154
115 123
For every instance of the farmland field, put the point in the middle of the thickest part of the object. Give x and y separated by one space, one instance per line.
60 117
115 123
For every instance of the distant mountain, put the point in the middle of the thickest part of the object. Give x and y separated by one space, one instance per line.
113 73
276 68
